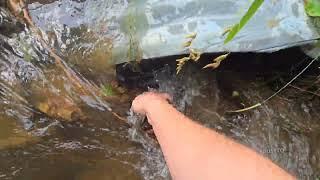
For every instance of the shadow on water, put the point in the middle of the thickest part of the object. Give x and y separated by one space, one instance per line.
36 101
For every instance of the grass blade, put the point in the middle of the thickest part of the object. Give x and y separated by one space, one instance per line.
244 20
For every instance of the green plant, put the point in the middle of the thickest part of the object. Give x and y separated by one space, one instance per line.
312 7
107 90
233 31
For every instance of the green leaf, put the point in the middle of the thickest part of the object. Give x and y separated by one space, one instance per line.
107 90
244 20
312 7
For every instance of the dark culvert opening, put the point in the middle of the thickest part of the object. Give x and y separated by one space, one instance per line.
277 67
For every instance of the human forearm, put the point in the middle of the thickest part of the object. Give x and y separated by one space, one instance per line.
186 144
195 152
180 146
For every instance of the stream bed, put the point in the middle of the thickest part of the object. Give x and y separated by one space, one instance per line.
51 129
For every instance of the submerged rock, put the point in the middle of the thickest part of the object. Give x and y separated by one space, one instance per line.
22 59
61 108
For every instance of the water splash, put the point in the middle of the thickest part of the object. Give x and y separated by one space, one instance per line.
183 89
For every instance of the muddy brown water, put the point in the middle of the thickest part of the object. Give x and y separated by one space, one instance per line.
38 145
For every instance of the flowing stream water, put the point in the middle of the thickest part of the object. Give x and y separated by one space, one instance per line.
49 129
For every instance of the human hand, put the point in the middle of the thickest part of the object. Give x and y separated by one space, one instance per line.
145 101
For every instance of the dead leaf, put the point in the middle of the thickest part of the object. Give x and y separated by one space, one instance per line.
226 30
187 44
216 61
191 36
194 55
181 62
221 57
212 65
